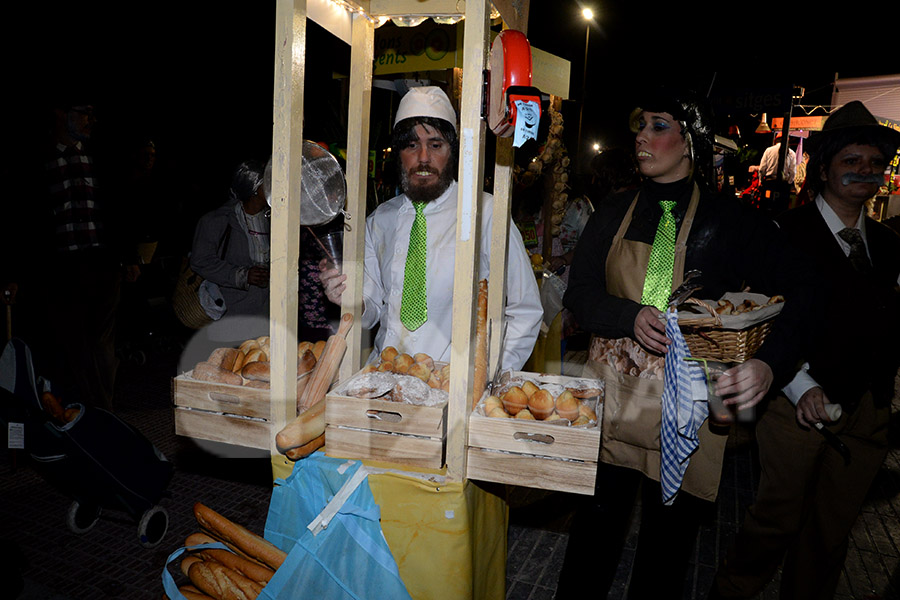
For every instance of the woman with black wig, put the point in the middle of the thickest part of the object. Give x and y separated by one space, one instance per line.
608 294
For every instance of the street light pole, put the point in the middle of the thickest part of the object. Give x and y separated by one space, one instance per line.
588 15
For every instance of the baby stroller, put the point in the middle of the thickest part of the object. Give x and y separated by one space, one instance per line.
95 458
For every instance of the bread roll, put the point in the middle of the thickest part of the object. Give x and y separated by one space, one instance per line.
71 414
238 362
306 362
775 300
318 348
514 400
223 357
386 366
725 307
587 412
492 402
541 404
419 370
204 371
303 347
567 405
402 363
389 353
257 385
434 381
525 414
424 359
554 416
257 370
581 421
255 355
249 345
498 413
529 387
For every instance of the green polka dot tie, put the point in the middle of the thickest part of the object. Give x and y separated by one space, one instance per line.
414 304
658 282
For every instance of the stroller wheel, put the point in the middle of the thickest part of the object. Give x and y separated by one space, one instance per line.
82 518
152 527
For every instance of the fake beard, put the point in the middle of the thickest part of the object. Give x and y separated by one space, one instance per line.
425 193
849 178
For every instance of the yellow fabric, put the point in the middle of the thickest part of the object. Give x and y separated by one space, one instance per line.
448 538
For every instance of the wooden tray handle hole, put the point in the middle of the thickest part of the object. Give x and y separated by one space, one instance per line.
540 438
381 415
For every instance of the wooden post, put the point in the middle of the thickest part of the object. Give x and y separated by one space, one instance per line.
471 184
362 52
287 147
503 181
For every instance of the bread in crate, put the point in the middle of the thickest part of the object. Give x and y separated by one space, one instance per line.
386 413
509 443
226 397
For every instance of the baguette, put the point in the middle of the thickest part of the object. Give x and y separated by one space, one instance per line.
232 533
192 593
205 371
479 377
199 537
187 561
306 449
238 362
247 568
306 362
222 583
309 425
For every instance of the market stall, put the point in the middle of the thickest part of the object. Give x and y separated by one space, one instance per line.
421 478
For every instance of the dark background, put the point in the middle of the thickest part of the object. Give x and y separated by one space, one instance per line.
197 77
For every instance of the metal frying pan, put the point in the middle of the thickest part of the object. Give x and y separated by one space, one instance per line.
323 188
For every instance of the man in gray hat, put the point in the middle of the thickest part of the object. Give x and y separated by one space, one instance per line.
812 484
411 245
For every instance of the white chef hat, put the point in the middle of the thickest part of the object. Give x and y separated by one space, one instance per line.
426 101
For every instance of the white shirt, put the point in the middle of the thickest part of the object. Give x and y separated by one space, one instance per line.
387 241
802 382
768 166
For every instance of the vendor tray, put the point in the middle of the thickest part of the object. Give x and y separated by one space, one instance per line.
384 430
219 412
536 454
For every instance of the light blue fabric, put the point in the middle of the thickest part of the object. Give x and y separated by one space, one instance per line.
350 558
682 414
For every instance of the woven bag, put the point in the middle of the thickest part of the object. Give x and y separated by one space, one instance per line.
185 301
707 338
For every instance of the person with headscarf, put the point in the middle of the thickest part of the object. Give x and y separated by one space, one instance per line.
634 251
231 248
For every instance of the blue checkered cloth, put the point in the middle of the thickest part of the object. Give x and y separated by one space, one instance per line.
682 411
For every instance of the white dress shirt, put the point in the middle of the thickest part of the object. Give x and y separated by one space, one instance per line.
802 382
768 165
387 241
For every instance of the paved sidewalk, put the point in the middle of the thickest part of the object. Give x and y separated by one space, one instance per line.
108 562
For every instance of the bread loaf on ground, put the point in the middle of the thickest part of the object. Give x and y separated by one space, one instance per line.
232 533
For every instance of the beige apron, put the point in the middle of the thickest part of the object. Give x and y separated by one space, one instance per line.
632 409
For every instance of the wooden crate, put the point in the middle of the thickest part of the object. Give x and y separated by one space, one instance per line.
538 454
383 430
221 413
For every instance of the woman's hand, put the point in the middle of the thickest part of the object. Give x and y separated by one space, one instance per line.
811 407
258 275
650 331
746 384
332 281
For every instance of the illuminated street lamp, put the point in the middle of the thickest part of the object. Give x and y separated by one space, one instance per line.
588 15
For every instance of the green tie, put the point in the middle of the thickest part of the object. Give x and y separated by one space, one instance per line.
658 283
414 305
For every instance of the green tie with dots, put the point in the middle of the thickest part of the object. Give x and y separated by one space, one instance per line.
658 283
414 304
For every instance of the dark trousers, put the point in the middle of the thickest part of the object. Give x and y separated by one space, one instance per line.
807 502
665 542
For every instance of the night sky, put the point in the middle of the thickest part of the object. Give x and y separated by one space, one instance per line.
198 79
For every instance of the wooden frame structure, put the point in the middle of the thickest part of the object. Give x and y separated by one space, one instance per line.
290 58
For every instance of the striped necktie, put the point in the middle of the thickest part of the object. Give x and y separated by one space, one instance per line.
859 258
414 303
658 281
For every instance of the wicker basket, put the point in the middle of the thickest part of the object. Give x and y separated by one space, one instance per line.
185 301
706 338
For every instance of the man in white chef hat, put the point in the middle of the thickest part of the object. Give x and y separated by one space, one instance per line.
411 245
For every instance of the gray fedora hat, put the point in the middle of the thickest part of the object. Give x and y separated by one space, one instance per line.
850 118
